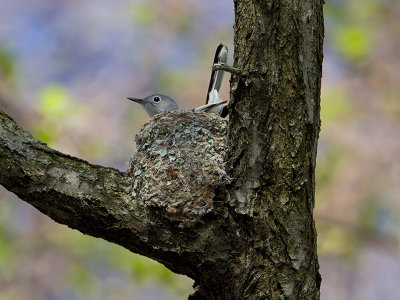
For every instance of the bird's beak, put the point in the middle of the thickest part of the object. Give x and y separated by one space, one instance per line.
137 100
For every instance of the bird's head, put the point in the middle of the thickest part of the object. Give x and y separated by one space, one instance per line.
156 104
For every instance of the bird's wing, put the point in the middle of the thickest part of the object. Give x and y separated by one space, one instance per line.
218 108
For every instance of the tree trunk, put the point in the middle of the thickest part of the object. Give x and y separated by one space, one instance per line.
255 239
272 142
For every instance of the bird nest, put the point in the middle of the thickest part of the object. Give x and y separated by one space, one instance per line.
179 163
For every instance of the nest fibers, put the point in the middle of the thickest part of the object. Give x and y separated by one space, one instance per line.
178 164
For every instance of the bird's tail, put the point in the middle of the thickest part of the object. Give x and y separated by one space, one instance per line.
221 56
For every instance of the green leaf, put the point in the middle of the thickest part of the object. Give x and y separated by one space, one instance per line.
353 42
335 104
144 13
7 63
54 101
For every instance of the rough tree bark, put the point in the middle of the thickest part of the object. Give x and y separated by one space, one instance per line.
273 137
256 240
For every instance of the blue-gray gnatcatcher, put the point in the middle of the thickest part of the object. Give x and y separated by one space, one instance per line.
158 103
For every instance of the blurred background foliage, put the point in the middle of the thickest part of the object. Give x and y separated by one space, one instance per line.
66 68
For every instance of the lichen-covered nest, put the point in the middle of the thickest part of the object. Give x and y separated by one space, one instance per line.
178 164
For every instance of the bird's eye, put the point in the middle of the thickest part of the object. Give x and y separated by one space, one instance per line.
156 99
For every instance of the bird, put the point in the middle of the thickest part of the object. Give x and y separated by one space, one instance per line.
158 103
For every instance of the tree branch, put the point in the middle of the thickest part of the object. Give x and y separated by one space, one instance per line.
229 69
98 201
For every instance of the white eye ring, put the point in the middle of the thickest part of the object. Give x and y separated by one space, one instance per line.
156 99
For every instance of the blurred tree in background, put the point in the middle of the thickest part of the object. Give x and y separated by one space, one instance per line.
66 68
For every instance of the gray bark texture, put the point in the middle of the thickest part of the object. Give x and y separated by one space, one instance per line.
229 204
